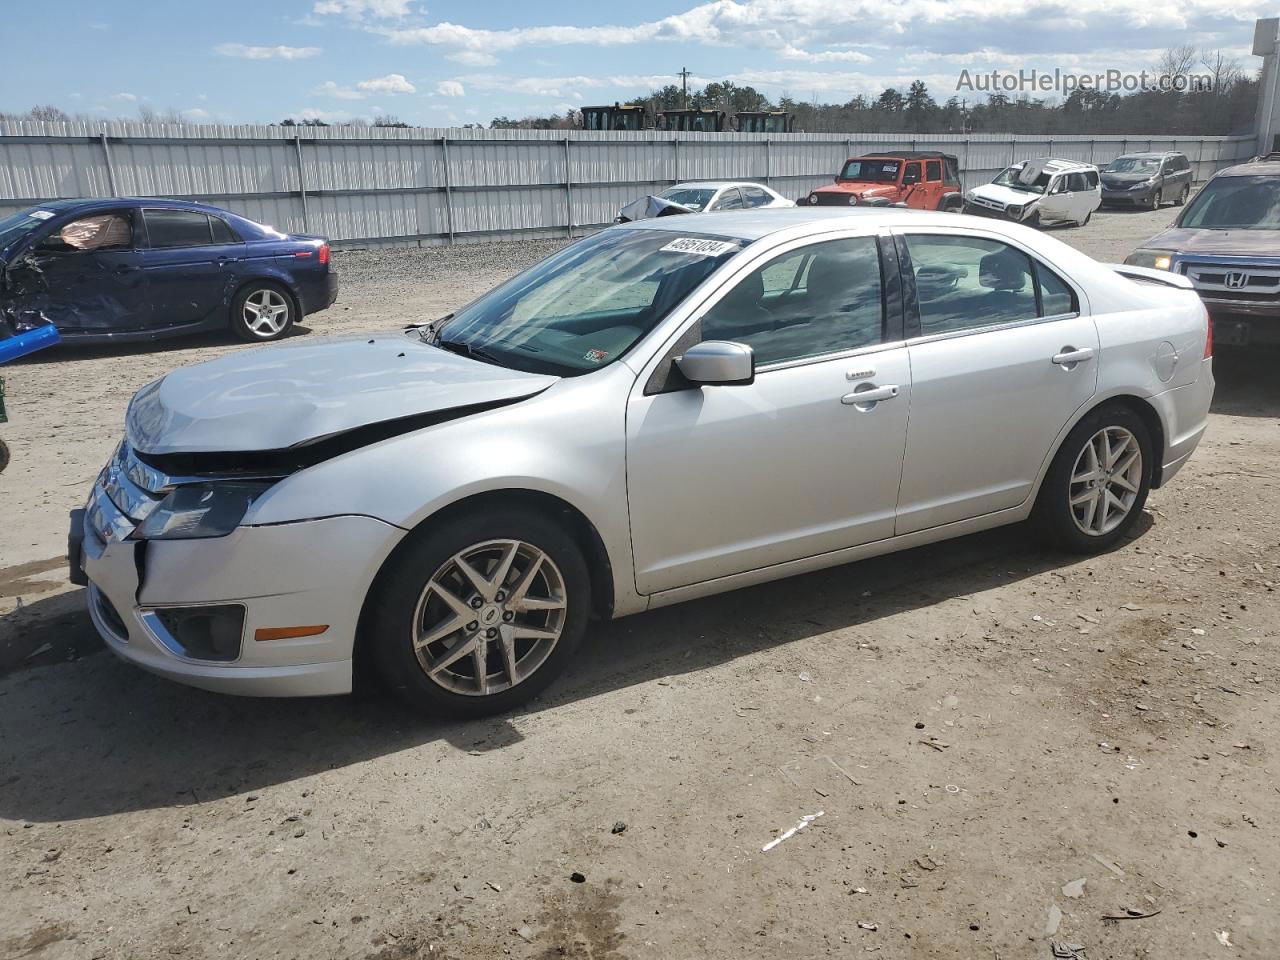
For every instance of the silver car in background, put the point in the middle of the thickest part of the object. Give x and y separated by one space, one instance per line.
661 411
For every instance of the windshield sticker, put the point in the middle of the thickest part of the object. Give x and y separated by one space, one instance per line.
595 356
889 168
40 214
699 246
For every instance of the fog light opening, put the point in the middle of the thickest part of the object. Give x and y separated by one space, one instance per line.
204 633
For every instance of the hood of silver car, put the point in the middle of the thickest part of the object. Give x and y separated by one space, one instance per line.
282 396
1223 243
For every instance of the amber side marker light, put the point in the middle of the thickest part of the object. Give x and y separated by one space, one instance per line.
289 633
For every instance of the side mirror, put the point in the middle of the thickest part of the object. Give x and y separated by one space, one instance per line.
718 363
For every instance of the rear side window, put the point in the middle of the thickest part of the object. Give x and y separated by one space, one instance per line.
933 170
178 228
731 199
1077 182
1091 178
963 283
1055 296
953 169
222 233
754 197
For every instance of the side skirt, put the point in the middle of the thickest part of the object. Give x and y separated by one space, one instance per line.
864 551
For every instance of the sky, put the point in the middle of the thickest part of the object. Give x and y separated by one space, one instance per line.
447 62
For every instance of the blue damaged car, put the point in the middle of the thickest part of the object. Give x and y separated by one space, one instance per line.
141 269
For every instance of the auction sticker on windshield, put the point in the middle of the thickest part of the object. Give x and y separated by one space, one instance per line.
40 214
700 246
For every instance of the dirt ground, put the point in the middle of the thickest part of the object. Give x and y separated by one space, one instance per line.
973 727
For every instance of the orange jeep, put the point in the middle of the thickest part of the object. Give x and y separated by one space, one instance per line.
924 180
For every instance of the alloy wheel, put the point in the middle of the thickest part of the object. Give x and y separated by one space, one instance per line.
266 312
1105 481
489 617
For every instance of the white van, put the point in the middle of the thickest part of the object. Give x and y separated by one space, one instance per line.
1044 190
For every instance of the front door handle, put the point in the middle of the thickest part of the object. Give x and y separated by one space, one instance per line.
1070 356
869 396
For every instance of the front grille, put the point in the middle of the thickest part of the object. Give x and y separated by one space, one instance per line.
1235 281
832 199
976 211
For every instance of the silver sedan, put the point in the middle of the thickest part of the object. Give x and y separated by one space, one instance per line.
661 411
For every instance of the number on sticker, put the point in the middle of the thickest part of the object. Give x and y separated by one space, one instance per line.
699 246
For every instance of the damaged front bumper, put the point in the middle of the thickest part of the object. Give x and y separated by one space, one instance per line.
312 573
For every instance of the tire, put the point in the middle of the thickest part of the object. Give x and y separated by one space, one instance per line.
1033 221
1182 196
4 456
1073 527
248 321
406 603
1157 198
1085 221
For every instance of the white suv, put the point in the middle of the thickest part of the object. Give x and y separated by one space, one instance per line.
1040 191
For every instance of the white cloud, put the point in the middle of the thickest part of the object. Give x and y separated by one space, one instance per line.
244 52
392 83
362 9
195 113
826 56
130 97
473 58
450 88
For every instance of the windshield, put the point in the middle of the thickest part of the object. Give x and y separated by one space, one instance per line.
871 171
691 197
1236 203
21 224
1010 179
1134 165
587 305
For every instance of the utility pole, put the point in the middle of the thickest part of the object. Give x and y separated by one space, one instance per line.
684 87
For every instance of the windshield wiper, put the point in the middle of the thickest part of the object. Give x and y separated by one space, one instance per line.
468 350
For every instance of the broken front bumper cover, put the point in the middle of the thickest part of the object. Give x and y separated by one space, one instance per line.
311 572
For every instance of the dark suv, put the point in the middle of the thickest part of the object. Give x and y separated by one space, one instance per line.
1227 243
1146 180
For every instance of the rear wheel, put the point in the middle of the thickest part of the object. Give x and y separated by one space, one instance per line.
1098 483
261 312
481 614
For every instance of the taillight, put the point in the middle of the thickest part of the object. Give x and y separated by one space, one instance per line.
1208 335
324 254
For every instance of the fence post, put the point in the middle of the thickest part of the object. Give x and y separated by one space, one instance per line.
1092 144
768 164
675 142
1200 160
448 191
302 183
1013 150
568 189
111 171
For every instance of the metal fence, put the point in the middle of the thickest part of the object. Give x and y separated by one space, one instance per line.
427 186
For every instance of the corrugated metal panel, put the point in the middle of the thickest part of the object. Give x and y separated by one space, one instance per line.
390 184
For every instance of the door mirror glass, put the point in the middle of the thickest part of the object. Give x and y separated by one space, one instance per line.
718 363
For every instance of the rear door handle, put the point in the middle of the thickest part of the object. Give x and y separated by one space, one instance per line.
871 395
1070 356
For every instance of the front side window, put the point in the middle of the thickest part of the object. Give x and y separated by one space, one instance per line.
1077 182
967 282
694 198
912 174
584 307
100 232
1235 203
821 299
177 228
731 199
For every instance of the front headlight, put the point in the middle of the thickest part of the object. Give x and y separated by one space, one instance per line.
1157 259
200 511
1014 210
1142 185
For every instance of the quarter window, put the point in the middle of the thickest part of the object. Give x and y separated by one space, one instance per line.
963 283
820 299
222 233
178 228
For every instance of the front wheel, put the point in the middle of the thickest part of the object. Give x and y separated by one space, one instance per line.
1085 221
1182 195
1157 198
262 312
481 614
1098 483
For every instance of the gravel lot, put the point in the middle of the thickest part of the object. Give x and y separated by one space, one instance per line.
1112 719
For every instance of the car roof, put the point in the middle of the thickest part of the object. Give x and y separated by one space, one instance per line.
1260 168
754 224
903 155
1057 164
712 184
93 203
1150 154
